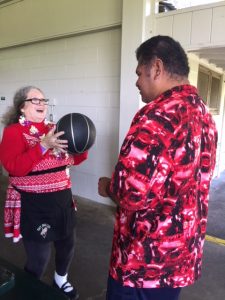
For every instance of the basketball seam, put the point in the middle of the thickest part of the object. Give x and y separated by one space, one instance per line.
72 132
88 133
71 127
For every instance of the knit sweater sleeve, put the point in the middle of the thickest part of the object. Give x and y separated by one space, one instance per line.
17 157
79 158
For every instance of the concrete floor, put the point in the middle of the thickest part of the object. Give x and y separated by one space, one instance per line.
89 269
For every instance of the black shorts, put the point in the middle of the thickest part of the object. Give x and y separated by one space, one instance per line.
47 217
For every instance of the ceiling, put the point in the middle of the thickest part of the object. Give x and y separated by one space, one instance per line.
214 56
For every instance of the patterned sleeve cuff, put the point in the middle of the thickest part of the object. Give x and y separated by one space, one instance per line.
43 149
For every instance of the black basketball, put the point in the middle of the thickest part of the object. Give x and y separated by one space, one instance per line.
79 131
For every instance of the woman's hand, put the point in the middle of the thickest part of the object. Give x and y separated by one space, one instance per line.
51 140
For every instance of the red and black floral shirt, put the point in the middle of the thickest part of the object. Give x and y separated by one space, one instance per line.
162 182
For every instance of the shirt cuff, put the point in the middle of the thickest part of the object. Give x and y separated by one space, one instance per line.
43 149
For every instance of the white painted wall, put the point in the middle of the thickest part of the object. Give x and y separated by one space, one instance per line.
187 3
133 31
199 27
82 74
78 72
38 20
83 61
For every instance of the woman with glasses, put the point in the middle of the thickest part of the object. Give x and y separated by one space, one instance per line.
39 205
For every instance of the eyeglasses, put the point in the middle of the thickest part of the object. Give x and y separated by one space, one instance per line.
38 101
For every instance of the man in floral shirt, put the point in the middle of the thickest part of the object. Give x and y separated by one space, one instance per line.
161 181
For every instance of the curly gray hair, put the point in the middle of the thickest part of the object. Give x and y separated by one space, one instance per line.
14 112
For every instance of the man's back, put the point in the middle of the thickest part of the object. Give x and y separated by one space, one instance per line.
162 182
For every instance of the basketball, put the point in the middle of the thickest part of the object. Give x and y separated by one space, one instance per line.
79 131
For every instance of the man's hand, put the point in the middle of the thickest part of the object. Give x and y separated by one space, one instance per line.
103 186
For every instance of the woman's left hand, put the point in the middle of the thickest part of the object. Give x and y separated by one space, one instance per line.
51 140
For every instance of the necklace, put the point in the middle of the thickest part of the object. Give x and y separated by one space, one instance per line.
33 129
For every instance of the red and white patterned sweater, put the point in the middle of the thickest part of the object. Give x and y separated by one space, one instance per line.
162 182
20 153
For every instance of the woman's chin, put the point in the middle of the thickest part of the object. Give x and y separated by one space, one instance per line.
37 120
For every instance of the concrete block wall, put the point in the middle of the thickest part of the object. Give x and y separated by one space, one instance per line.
78 74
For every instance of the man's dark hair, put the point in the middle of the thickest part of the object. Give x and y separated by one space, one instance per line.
168 50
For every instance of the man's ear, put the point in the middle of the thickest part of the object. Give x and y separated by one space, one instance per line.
158 68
